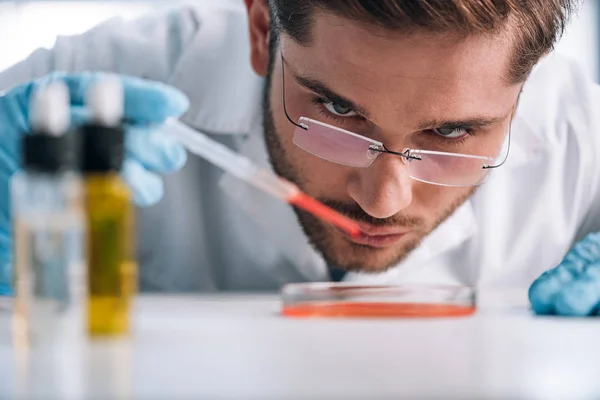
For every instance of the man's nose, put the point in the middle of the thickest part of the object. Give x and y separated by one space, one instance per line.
383 189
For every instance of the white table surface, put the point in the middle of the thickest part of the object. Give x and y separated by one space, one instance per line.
222 347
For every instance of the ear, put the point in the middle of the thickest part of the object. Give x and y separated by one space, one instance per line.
259 22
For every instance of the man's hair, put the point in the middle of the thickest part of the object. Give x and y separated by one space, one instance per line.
538 23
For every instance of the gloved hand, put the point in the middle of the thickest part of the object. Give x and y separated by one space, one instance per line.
148 151
573 287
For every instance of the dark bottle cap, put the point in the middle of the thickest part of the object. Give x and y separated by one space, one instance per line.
104 137
103 148
49 147
49 153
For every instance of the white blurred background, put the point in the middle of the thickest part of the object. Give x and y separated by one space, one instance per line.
27 25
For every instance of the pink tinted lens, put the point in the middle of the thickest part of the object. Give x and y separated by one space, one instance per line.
334 144
450 170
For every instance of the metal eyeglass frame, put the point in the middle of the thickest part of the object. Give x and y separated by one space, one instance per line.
407 154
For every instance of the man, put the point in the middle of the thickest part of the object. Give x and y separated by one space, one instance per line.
430 123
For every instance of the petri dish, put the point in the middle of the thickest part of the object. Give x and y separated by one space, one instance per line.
340 300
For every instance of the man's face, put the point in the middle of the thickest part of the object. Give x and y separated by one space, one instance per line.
399 90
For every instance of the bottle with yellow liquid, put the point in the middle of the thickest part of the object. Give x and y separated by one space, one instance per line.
112 269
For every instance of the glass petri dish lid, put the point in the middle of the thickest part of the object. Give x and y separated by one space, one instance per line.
342 300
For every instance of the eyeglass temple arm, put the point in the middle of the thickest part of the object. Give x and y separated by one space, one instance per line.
283 94
486 166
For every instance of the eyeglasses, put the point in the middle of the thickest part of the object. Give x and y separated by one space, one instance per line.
347 148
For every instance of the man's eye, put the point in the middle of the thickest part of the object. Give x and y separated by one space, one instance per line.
339 110
451 133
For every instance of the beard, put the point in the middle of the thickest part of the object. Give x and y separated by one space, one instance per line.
337 251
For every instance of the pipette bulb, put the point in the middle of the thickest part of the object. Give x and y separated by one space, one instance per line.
50 111
105 99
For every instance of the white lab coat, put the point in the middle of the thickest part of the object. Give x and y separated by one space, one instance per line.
211 232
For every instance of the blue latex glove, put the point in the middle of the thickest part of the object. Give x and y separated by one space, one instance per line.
573 287
148 151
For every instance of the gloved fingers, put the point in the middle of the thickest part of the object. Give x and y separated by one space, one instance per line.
152 102
79 116
543 291
6 277
580 297
14 107
9 157
147 187
593 272
149 145
145 101
585 252
155 150
5 203
573 287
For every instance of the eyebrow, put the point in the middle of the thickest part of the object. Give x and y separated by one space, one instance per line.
476 122
323 90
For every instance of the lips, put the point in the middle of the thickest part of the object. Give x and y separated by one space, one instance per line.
372 230
379 237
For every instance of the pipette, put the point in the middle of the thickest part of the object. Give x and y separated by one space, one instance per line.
239 166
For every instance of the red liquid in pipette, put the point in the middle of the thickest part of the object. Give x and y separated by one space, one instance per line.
320 210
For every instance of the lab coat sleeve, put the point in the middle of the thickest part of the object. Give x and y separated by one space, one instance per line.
591 110
561 105
149 47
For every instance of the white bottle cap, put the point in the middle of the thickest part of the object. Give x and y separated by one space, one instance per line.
105 99
50 109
